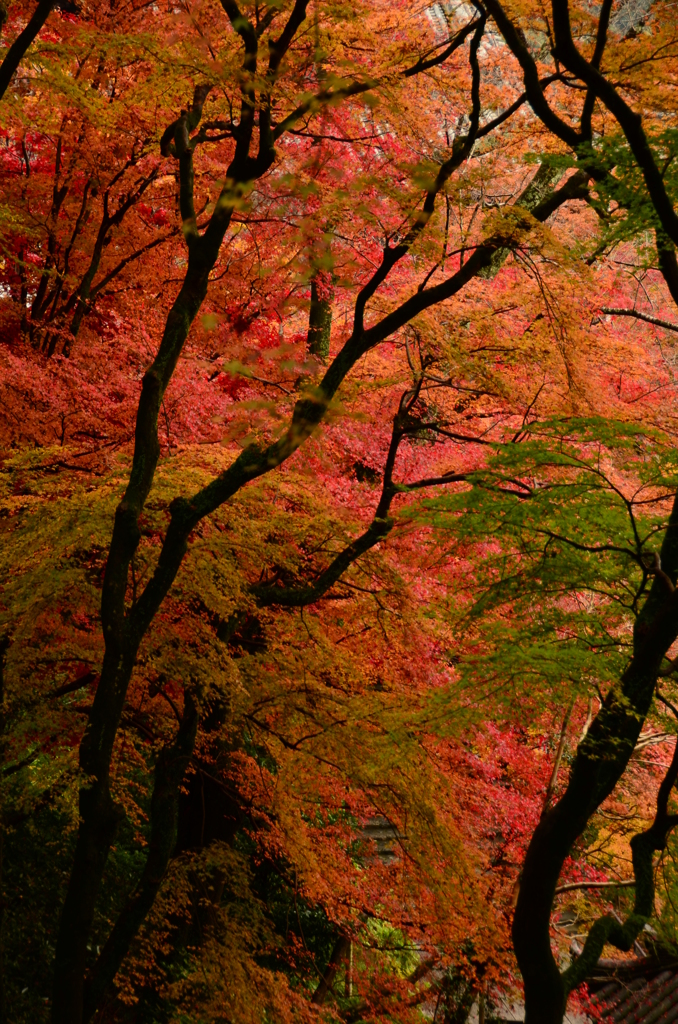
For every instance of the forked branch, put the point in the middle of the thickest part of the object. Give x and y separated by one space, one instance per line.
622 934
379 528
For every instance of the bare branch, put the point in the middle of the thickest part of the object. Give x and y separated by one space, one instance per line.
571 886
636 313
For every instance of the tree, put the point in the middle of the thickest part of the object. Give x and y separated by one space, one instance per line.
123 632
605 752
356 175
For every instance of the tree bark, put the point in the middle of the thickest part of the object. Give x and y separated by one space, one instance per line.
18 49
122 636
4 645
125 626
169 773
338 955
320 318
599 763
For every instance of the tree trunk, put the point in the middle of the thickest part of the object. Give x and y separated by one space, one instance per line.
338 955
4 644
122 634
599 763
169 773
320 318
99 818
17 50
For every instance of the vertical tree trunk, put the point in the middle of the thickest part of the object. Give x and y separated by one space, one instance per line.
169 773
481 1008
600 761
320 317
99 815
341 948
348 988
99 818
4 644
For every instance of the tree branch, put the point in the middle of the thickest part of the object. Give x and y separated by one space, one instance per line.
571 886
515 40
331 96
623 311
18 49
643 846
460 151
378 529
341 948
629 121
551 788
601 38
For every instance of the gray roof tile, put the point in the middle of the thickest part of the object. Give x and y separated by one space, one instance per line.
639 996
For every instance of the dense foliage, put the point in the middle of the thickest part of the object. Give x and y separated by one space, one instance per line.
338 477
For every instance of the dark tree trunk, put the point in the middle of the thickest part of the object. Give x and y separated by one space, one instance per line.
18 49
337 957
124 625
99 820
599 763
169 773
4 644
320 320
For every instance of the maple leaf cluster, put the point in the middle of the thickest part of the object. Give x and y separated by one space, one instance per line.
324 542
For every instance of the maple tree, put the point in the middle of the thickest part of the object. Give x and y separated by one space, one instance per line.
604 754
330 279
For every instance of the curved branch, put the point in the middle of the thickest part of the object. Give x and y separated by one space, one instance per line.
601 39
480 260
379 528
515 40
460 150
623 934
331 96
296 597
425 64
630 122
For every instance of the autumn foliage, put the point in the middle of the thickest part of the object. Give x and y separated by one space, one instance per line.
337 377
